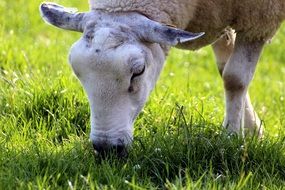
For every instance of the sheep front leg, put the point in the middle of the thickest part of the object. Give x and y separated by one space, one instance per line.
223 49
237 74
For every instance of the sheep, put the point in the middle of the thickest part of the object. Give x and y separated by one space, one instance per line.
125 43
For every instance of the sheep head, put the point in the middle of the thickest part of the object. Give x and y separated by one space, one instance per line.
117 60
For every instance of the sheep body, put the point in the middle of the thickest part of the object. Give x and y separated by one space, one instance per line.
121 53
254 20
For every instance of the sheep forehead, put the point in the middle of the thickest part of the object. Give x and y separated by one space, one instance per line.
108 38
106 50
108 31
107 43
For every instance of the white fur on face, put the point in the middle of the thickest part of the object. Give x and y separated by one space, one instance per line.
104 60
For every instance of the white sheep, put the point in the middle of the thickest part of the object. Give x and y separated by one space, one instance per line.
125 43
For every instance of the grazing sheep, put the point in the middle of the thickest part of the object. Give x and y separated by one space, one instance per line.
125 43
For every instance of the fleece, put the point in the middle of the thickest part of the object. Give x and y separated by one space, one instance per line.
253 20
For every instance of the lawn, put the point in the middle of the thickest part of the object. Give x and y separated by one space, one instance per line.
179 142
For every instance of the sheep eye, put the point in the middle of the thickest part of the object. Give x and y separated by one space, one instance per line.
137 74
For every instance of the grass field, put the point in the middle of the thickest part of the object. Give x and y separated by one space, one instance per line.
179 142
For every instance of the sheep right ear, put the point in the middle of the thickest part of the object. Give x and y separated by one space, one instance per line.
155 32
61 17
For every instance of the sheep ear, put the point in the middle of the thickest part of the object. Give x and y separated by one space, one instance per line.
61 17
159 33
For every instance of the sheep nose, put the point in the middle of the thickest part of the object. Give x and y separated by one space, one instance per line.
105 150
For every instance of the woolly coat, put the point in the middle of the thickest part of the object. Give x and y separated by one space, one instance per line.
253 20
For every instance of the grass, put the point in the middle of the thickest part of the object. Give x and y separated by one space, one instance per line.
179 142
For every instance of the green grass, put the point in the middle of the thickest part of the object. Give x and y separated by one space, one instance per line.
179 142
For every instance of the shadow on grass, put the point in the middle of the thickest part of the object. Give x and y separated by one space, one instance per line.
155 160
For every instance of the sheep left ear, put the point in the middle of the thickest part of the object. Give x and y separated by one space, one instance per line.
61 17
155 32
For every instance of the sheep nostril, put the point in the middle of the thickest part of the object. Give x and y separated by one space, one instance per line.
105 150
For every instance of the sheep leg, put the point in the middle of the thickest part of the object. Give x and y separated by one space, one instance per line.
223 49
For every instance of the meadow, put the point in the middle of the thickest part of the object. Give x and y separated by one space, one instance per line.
179 142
